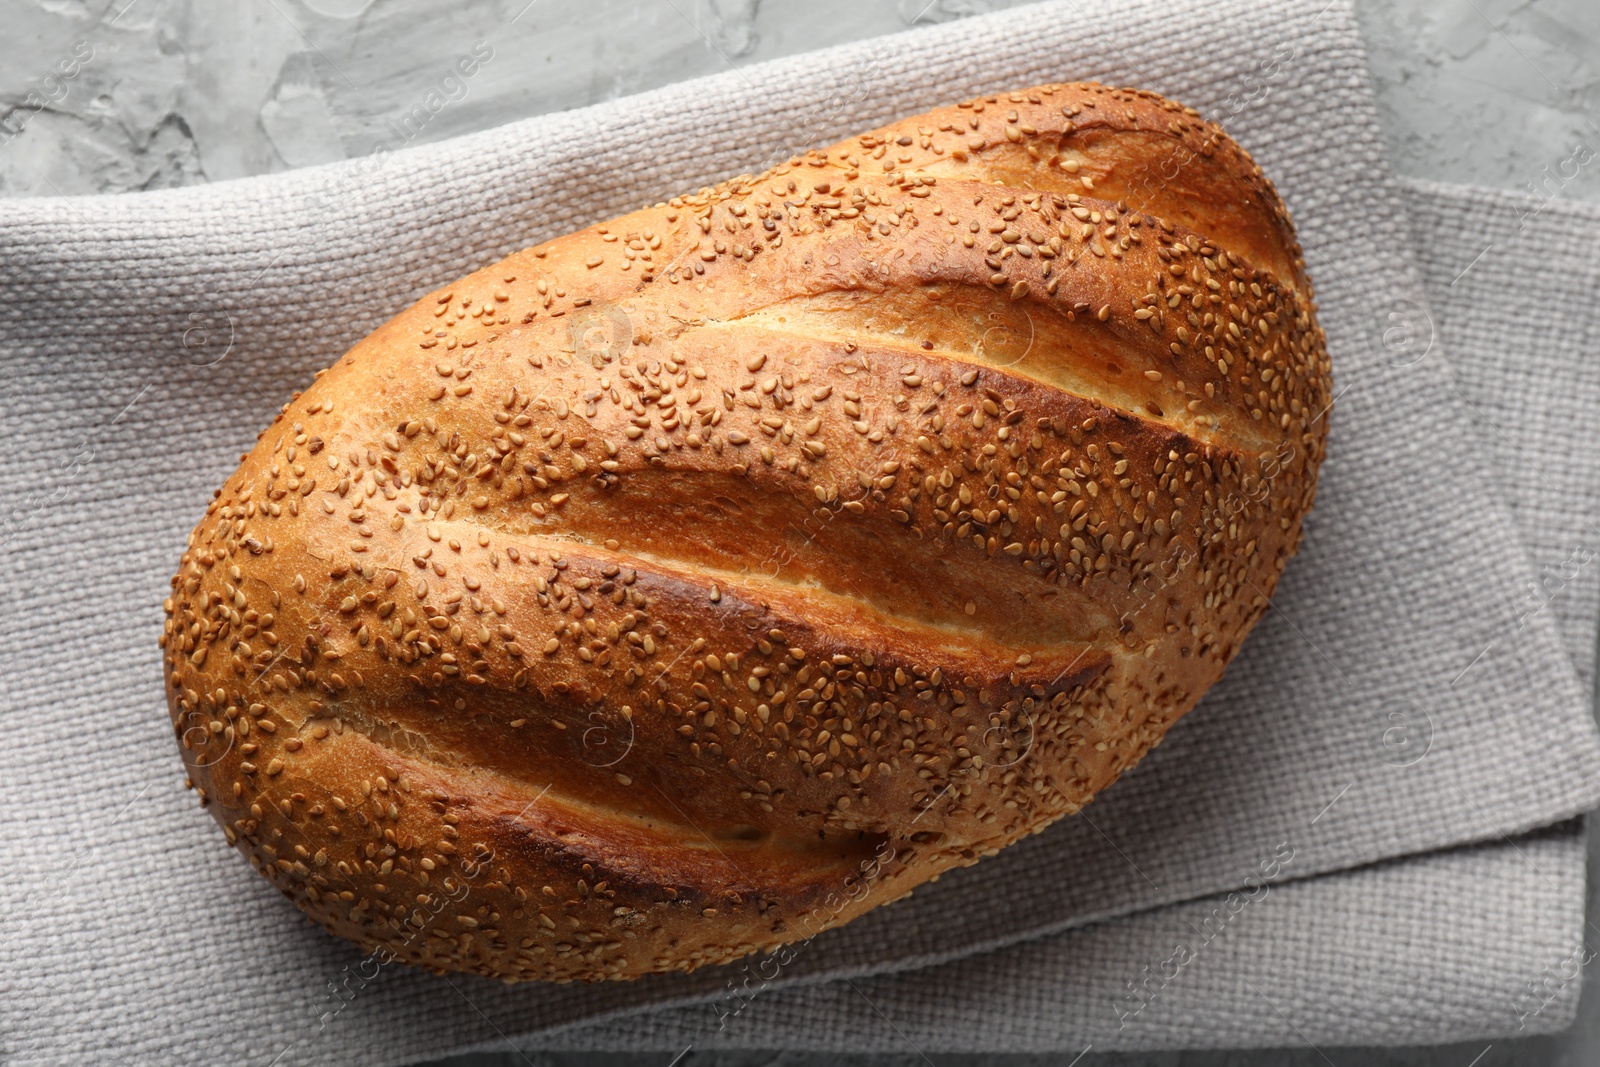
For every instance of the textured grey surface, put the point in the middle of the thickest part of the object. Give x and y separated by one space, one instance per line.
1492 92
174 93
1498 93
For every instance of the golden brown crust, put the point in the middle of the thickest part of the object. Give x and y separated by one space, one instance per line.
683 586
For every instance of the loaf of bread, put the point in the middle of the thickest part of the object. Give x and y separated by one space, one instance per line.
691 584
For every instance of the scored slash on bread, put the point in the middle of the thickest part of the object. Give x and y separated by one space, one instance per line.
675 589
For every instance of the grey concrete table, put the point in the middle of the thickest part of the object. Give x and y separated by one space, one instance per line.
117 95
